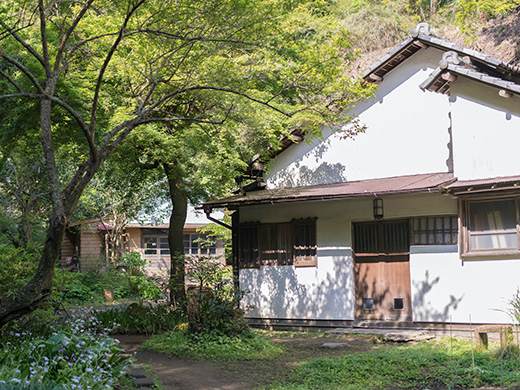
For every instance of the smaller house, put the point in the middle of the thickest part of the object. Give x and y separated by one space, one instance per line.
86 244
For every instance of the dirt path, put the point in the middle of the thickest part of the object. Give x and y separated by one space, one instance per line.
178 373
181 374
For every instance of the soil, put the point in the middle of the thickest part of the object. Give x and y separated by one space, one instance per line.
184 374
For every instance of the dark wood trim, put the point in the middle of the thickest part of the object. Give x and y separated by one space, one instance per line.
235 225
465 251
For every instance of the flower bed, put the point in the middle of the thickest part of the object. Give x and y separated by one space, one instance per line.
77 355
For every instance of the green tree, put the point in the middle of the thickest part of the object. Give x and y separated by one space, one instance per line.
103 68
472 14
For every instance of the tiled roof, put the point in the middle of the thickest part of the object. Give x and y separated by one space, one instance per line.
436 83
422 38
364 188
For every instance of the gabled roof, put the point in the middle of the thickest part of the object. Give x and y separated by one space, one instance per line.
430 182
451 66
422 37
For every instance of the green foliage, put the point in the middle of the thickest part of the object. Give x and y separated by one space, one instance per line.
514 307
139 318
213 346
472 14
439 364
41 321
375 24
214 306
77 355
82 288
134 263
17 266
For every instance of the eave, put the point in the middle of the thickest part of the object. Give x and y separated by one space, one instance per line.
425 183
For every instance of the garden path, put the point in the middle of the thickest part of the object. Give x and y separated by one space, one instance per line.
175 373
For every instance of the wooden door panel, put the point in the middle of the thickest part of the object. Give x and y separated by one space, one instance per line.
383 276
368 278
397 287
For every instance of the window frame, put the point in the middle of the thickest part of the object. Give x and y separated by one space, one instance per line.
420 233
201 250
465 249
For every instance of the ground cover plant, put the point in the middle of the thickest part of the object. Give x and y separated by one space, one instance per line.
75 355
440 364
214 346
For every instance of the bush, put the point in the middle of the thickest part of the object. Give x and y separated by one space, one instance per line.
214 306
133 263
17 266
139 318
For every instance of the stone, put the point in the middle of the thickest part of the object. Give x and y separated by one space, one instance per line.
136 373
143 382
403 337
334 345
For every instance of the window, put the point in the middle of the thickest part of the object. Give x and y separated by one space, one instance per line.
435 230
305 243
290 243
198 245
155 242
382 236
150 245
490 227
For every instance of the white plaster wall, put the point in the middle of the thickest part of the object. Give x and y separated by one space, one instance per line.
486 134
445 289
325 291
406 133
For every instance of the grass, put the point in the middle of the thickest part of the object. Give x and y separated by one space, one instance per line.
434 365
214 346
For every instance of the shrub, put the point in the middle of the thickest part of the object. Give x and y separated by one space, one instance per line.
214 306
133 263
17 266
139 318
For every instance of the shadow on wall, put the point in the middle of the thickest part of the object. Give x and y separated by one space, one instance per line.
423 308
325 173
323 292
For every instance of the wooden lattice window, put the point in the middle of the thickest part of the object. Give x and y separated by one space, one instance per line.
248 246
441 230
305 248
384 236
289 243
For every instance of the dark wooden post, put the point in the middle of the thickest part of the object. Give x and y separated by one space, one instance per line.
235 221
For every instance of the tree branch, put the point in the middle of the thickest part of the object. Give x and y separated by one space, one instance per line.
28 47
196 39
69 32
43 32
73 113
8 78
23 69
107 61
220 89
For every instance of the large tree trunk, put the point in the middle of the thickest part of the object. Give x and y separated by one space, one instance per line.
39 288
175 235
